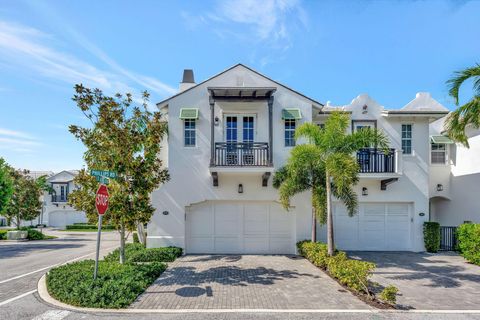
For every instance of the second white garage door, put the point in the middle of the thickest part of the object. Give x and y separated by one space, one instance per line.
239 227
376 227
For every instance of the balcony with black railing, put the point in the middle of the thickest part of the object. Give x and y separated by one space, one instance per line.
372 160
241 154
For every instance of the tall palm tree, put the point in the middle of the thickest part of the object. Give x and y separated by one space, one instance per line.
467 114
328 163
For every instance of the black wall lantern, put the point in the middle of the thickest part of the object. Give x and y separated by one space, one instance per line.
364 191
240 188
439 187
217 121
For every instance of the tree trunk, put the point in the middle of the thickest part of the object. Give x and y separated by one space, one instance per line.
141 234
314 225
122 243
18 221
330 238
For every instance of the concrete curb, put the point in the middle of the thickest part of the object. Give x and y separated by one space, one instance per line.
46 297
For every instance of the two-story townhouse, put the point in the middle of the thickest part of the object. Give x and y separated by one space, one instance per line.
393 188
56 211
228 135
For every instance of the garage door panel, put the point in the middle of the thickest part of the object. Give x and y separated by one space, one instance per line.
240 227
377 226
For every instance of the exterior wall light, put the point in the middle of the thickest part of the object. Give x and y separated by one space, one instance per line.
364 191
240 188
364 109
439 187
217 121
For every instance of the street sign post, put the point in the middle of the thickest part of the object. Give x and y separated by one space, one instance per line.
101 204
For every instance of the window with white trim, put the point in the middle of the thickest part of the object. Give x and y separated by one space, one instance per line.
290 125
189 132
438 153
407 138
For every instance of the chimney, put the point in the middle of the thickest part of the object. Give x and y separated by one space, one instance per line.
188 81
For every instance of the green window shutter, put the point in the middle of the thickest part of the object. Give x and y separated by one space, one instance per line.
441 139
291 114
188 113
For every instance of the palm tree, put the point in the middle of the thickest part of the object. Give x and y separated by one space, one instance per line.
327 166
467 114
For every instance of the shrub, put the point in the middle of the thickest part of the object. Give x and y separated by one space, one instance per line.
116 286
468 236
3 234
352 273
431 236
136 252
389 294
35 235
85 226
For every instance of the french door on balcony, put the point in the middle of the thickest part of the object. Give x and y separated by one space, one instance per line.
239 138
239 128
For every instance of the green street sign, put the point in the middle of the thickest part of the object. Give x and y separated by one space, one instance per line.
103 173
102 179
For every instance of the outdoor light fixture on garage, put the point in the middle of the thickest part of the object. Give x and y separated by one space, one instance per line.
217 121
439 187
364 191
240 188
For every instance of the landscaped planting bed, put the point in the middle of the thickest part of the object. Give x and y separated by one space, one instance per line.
116 286
353 274
32 234
87 227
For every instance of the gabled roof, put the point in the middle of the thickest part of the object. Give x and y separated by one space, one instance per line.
73 173
248 68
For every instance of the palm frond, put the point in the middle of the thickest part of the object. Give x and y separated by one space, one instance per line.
343 168
364 138
460 77
458 120
310 131
348 197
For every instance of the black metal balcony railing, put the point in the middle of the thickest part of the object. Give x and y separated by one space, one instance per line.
372 160
59 198
241 154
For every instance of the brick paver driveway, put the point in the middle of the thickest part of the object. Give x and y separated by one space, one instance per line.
245 282
428 281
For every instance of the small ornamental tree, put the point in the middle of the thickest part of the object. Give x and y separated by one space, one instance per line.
124 138
25 202
6 186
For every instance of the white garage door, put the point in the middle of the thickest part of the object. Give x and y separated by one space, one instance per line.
239 227
60 219
376 227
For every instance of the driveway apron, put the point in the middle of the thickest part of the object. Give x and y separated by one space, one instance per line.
245 282
427 281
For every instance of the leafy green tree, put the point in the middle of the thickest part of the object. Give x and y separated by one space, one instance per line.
326 165
25 203
467 114
124 138
6 185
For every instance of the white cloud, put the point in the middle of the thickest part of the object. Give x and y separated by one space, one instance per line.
31 50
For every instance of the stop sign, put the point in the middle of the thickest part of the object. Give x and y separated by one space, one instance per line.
101 199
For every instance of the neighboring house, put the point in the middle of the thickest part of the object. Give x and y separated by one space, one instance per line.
56 211
455 177
228 135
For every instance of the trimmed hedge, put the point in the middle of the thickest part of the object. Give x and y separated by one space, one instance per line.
431 236
352 273
32 234
3 234
468 236
81 226
117 285
136 252
389 294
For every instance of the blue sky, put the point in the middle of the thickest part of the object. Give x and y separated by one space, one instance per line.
329 50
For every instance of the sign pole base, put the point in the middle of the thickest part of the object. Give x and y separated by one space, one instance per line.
100 218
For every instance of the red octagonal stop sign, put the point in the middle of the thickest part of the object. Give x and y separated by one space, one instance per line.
101 199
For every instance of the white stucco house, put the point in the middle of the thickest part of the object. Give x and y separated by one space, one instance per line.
455 177
228 135
56 211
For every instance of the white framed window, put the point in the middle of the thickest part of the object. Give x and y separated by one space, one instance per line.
290 125
189 133
407 138
438 153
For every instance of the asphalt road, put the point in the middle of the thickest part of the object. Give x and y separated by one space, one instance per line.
22 265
